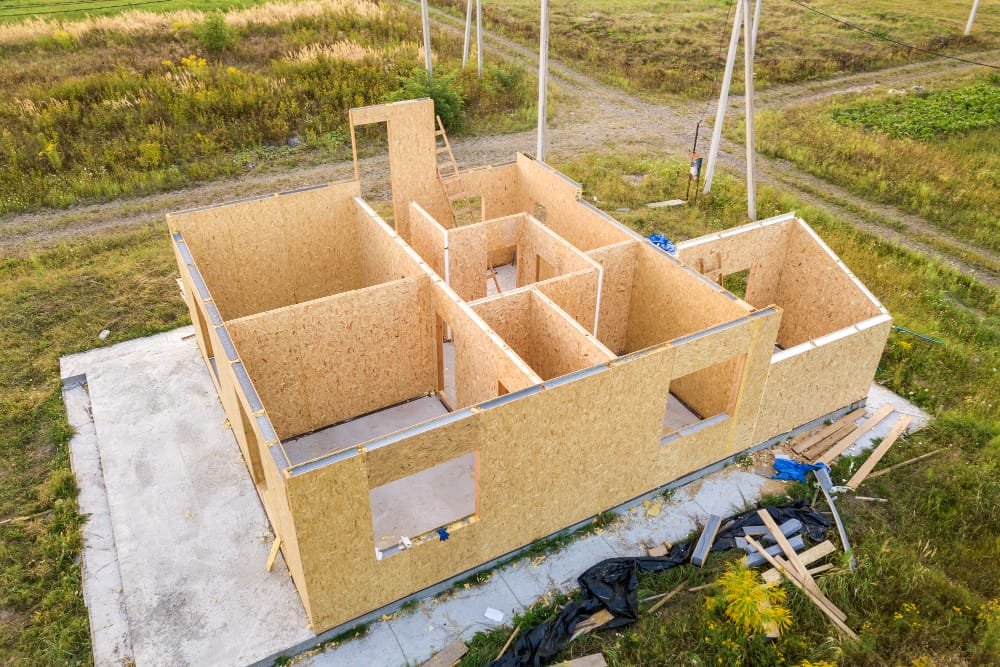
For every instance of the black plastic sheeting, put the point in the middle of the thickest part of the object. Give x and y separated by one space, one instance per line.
613 584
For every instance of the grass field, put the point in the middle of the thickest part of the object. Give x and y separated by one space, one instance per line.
678 47
935 153
932 548
141 102
926 589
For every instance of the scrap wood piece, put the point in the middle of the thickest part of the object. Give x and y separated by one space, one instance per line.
816 436
817 449
592 660
666 598
782 541
753 559
707 539
808 557
799 583
660 550
510 640
883 471
271 557
879 452
449 655
865 427
592 622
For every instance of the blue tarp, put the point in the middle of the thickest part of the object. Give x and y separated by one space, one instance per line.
662 242
793 470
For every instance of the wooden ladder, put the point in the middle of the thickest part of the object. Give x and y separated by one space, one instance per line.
452 180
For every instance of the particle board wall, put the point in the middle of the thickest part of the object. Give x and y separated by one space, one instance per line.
760 248
382 257
576 293
541 254
296 355
428 238
618 262
559 198
558 344
412 159
817 293
508 315
274 251
467 260
499 187
668 302
814 380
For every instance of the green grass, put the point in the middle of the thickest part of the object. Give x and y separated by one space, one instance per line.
923 592
678 46
128 109
935 154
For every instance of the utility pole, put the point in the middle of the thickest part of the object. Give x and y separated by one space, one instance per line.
468 32
720 111
426 20
972 17
543 75
748 97
479 38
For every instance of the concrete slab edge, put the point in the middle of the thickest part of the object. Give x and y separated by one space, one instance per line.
621 509
103 592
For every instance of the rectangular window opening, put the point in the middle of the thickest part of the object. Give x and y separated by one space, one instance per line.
703 397
411 510
737 282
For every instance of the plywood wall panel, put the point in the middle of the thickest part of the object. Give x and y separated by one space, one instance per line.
618 262
467 261
499 187
428 238
575 293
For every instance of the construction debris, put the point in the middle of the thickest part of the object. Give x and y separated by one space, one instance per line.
449 655
706 540
879 452
905 463
594 621
593 660
826 486
666 598
846 443
753 559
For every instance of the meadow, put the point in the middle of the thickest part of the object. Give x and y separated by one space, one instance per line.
934 151
678 46
142 102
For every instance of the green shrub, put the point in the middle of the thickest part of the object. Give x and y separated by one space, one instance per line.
448 101
214 33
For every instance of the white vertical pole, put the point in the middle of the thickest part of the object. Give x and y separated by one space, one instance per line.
543 75
426 20
479 38
972 17
748 96
756 23
720 111
468 33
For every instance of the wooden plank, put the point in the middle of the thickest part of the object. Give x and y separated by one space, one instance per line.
866 426
816 450
449 655
700 553
510 640
808 557
879 452
816 436
666 598
271 557
592 622
878 473
793 577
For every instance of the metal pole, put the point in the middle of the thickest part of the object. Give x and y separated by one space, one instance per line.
720 111
468 33
543 75
756 22
479 38
426 20
748 97
972 17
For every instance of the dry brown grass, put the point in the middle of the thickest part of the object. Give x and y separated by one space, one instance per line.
139 23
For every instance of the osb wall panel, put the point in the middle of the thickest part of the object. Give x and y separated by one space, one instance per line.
412 159
428 238
563 213
817 295
508 315
576 293
534 243
819 380
501 239
467 261
618 262
382 257
296 355
499 187
760 249
557 344
276 250
667 302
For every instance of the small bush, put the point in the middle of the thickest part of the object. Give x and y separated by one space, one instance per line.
214 33
448 101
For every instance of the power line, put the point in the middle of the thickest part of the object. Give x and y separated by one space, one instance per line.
890 39
50 4
84 9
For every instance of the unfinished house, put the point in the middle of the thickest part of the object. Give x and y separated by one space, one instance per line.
419 398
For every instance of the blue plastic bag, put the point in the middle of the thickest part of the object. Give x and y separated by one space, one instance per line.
793 470
662 242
